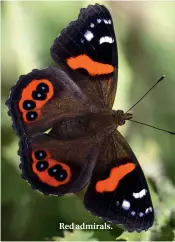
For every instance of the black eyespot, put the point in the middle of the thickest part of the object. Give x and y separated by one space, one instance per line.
29 104
31 116
54 170
58 172
40 154
61 176
38 95
42 165
42 88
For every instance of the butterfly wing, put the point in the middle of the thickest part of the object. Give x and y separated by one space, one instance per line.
55 166
41 98
48 100
118 190
87 50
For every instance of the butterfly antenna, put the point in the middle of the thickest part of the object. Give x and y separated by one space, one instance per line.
173 133
160 79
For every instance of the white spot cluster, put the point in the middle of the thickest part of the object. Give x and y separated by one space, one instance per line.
148 210
106 39
126 206
107 21
140 194
89 35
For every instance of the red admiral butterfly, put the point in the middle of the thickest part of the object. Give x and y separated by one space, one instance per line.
82 144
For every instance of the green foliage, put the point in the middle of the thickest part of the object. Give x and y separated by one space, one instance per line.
145 34
77 235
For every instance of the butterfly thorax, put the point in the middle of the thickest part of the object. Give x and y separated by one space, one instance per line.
121 117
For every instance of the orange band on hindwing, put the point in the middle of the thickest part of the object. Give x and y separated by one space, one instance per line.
116 174
28 97
45 167
92 67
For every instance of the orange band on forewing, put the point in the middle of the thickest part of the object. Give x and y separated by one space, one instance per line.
92 67
116 174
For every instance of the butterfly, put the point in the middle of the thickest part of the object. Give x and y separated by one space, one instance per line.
68 130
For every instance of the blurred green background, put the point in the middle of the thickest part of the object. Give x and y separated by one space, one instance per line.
146 43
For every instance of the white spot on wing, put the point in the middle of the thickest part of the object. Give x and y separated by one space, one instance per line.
105 21
89 35
92 25
109 21
133 213
125 205
140 194
106 39
149 210
141 214
98 20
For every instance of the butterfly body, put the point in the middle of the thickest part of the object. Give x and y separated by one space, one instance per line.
90 124
68 130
